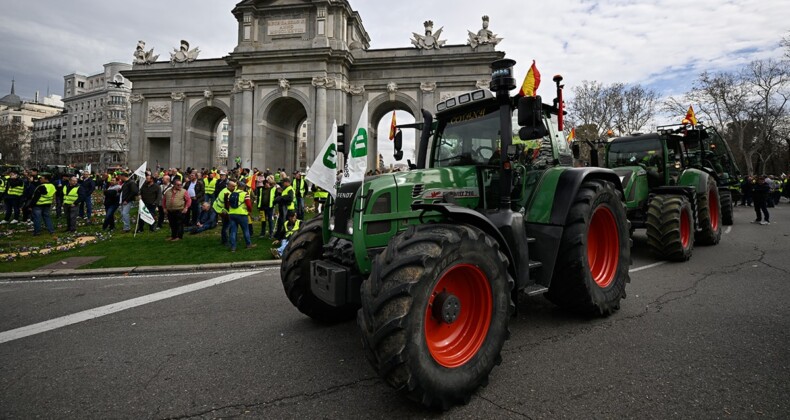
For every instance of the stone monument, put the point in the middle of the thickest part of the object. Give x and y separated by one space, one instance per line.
483 36
431 40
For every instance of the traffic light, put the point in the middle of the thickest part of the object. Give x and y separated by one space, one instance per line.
342 145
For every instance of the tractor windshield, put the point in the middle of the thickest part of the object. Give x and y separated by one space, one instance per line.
471 138
643 152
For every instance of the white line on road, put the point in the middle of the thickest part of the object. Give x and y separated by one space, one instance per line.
130 276
67 320
647 267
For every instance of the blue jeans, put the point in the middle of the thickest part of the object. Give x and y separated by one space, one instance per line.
89 204
12 203
42 213
127 223
208 198
300 208
283 244
237 220
109 219
269 220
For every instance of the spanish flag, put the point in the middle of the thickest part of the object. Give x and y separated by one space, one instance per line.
393 127
572 135
691 117
531 82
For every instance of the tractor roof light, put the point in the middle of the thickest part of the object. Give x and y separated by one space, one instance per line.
464 99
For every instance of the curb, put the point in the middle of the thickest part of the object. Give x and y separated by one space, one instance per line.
137 270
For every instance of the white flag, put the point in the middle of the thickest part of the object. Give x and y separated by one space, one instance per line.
140 172
323 173
145 215
88 168
357 162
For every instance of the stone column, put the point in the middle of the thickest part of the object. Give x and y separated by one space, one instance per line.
320 123
138 145
243 116
180 151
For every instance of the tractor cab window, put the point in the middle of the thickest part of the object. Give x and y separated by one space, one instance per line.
647 153
468 139
540 152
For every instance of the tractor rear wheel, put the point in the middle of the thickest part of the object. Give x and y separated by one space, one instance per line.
305 246
726 207
709 214
592 266
670 227
435 312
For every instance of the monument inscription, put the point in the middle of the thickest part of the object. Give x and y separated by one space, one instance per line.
287 26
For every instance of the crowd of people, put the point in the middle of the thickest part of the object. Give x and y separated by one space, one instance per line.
763 192
192 201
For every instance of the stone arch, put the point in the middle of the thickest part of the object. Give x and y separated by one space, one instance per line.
379 107
278 124
202 123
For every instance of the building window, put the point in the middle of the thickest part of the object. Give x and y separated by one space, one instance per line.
81 84
16 119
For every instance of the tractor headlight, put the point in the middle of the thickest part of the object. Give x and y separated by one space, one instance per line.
350 226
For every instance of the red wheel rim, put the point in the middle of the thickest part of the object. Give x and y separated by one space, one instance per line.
685 228
454 344
603 246
713 205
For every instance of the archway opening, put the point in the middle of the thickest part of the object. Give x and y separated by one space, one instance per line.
285 136
204 135
386 147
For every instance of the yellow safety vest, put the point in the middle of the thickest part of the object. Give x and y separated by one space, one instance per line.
320 194
242 208
211 185
16 191
69 197
2 184
301 184
291 206
219 204
292 230
277 177
49 197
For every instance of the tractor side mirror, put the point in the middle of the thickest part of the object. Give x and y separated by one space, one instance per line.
398 145
530 118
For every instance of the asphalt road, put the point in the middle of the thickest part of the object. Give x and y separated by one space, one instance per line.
709 338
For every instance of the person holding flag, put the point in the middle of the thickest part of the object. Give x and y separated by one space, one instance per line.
150 197
129 191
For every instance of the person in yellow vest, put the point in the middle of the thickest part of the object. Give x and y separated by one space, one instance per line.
291 226
2 186
286 202
70 196
14 188
41 203
300 188
218 206
266 199
210 184
239 207
320 195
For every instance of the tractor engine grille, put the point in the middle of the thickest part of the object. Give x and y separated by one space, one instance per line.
417 190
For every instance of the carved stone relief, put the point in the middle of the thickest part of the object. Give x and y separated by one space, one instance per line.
159 112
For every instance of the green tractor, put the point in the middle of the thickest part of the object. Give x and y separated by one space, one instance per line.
709 152
675 201
432 261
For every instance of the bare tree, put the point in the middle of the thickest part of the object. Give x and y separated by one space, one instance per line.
770 81
594 106
14 143
637 107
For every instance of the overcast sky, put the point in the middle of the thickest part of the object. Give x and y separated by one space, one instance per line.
663 44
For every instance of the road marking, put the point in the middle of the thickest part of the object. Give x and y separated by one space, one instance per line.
127 277
647 267
67 320
728 230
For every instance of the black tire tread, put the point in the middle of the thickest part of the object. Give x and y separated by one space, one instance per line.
707 235
725 198
663 227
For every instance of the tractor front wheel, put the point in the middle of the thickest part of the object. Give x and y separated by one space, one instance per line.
305 246
670 227
595 251
435 312
709 214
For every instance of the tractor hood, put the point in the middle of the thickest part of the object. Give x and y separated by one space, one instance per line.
459 184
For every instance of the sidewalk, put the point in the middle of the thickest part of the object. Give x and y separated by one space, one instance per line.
39 274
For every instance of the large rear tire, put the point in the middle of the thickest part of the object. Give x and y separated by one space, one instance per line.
726 207
592 266
435 311
709 215
305 246
670 227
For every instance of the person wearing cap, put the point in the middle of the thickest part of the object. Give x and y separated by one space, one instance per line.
14 188
176 203
266 206
222 213
41 203
285 202
760 195
290 227
300 188
129 191
87 187
70 194
222 182
196 190
239 207
210 184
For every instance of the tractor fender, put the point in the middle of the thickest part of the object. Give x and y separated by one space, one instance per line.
694 178
470 217
568 186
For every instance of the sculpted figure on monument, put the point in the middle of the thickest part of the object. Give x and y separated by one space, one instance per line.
430 40
143 57
184 54
483 36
